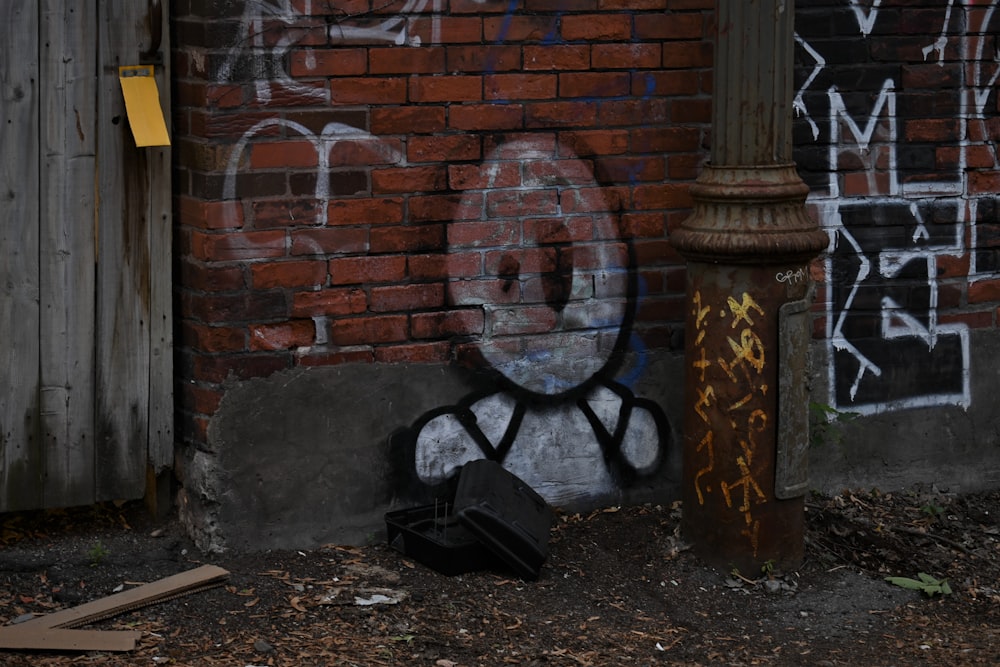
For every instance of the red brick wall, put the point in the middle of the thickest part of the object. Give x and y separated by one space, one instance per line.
329 155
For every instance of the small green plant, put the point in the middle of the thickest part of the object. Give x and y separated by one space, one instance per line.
925 583
767 569
826 423
932 510
97 553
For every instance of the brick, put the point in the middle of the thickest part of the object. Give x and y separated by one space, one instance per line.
670 82
484 234
594 84
407 298
413 353
484 176
286 212
369 330
560 114
601 28
371 211
327 62
486 117
665 139
404 180
626 56
282 335
209 215
382 90
329 302
662 196
649 225
521 145
630 169
292 273
556 57
314 357
520 86
232 246
461 29
564 229
593 200
983 182
684 167
338 182
241 366
691 111
365 270
348 151
437 266
213 338
932 129
980 319
240 307
491 291
211 277
639 113
982 291
402 60
520 320
430 208
407 238
520 28
480 58
519 261
449 148
560 5
671 27
595 142
448 323
516 203
327 241
201 398
446 88
408 120
563 173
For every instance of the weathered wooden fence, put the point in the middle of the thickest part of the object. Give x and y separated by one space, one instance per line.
86 403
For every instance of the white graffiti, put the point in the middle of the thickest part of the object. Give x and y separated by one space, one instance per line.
866 18
902 258
790 276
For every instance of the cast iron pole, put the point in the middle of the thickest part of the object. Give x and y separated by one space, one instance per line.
748 245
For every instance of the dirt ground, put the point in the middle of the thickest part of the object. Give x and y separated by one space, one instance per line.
618 588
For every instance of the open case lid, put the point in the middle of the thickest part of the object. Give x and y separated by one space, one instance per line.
507 515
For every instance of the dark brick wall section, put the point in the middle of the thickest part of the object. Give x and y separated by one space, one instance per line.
338 165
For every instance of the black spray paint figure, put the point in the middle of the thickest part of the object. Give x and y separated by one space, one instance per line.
552 281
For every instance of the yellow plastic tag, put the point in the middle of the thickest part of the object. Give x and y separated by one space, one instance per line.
142 104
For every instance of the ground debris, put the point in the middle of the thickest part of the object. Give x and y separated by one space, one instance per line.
619 588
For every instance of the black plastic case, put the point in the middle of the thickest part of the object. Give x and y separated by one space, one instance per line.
495 519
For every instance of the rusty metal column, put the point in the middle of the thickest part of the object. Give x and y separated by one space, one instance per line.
748 245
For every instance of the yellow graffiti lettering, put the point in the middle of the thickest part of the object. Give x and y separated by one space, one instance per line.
708 442
704 401
702 363
699 312
741 310
750 349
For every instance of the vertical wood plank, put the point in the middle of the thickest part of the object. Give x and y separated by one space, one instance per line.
20 454
68 64
123 277
161 360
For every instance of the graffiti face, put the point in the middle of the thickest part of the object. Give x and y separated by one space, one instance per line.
553 280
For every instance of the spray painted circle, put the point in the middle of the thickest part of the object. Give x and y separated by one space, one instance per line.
538 250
